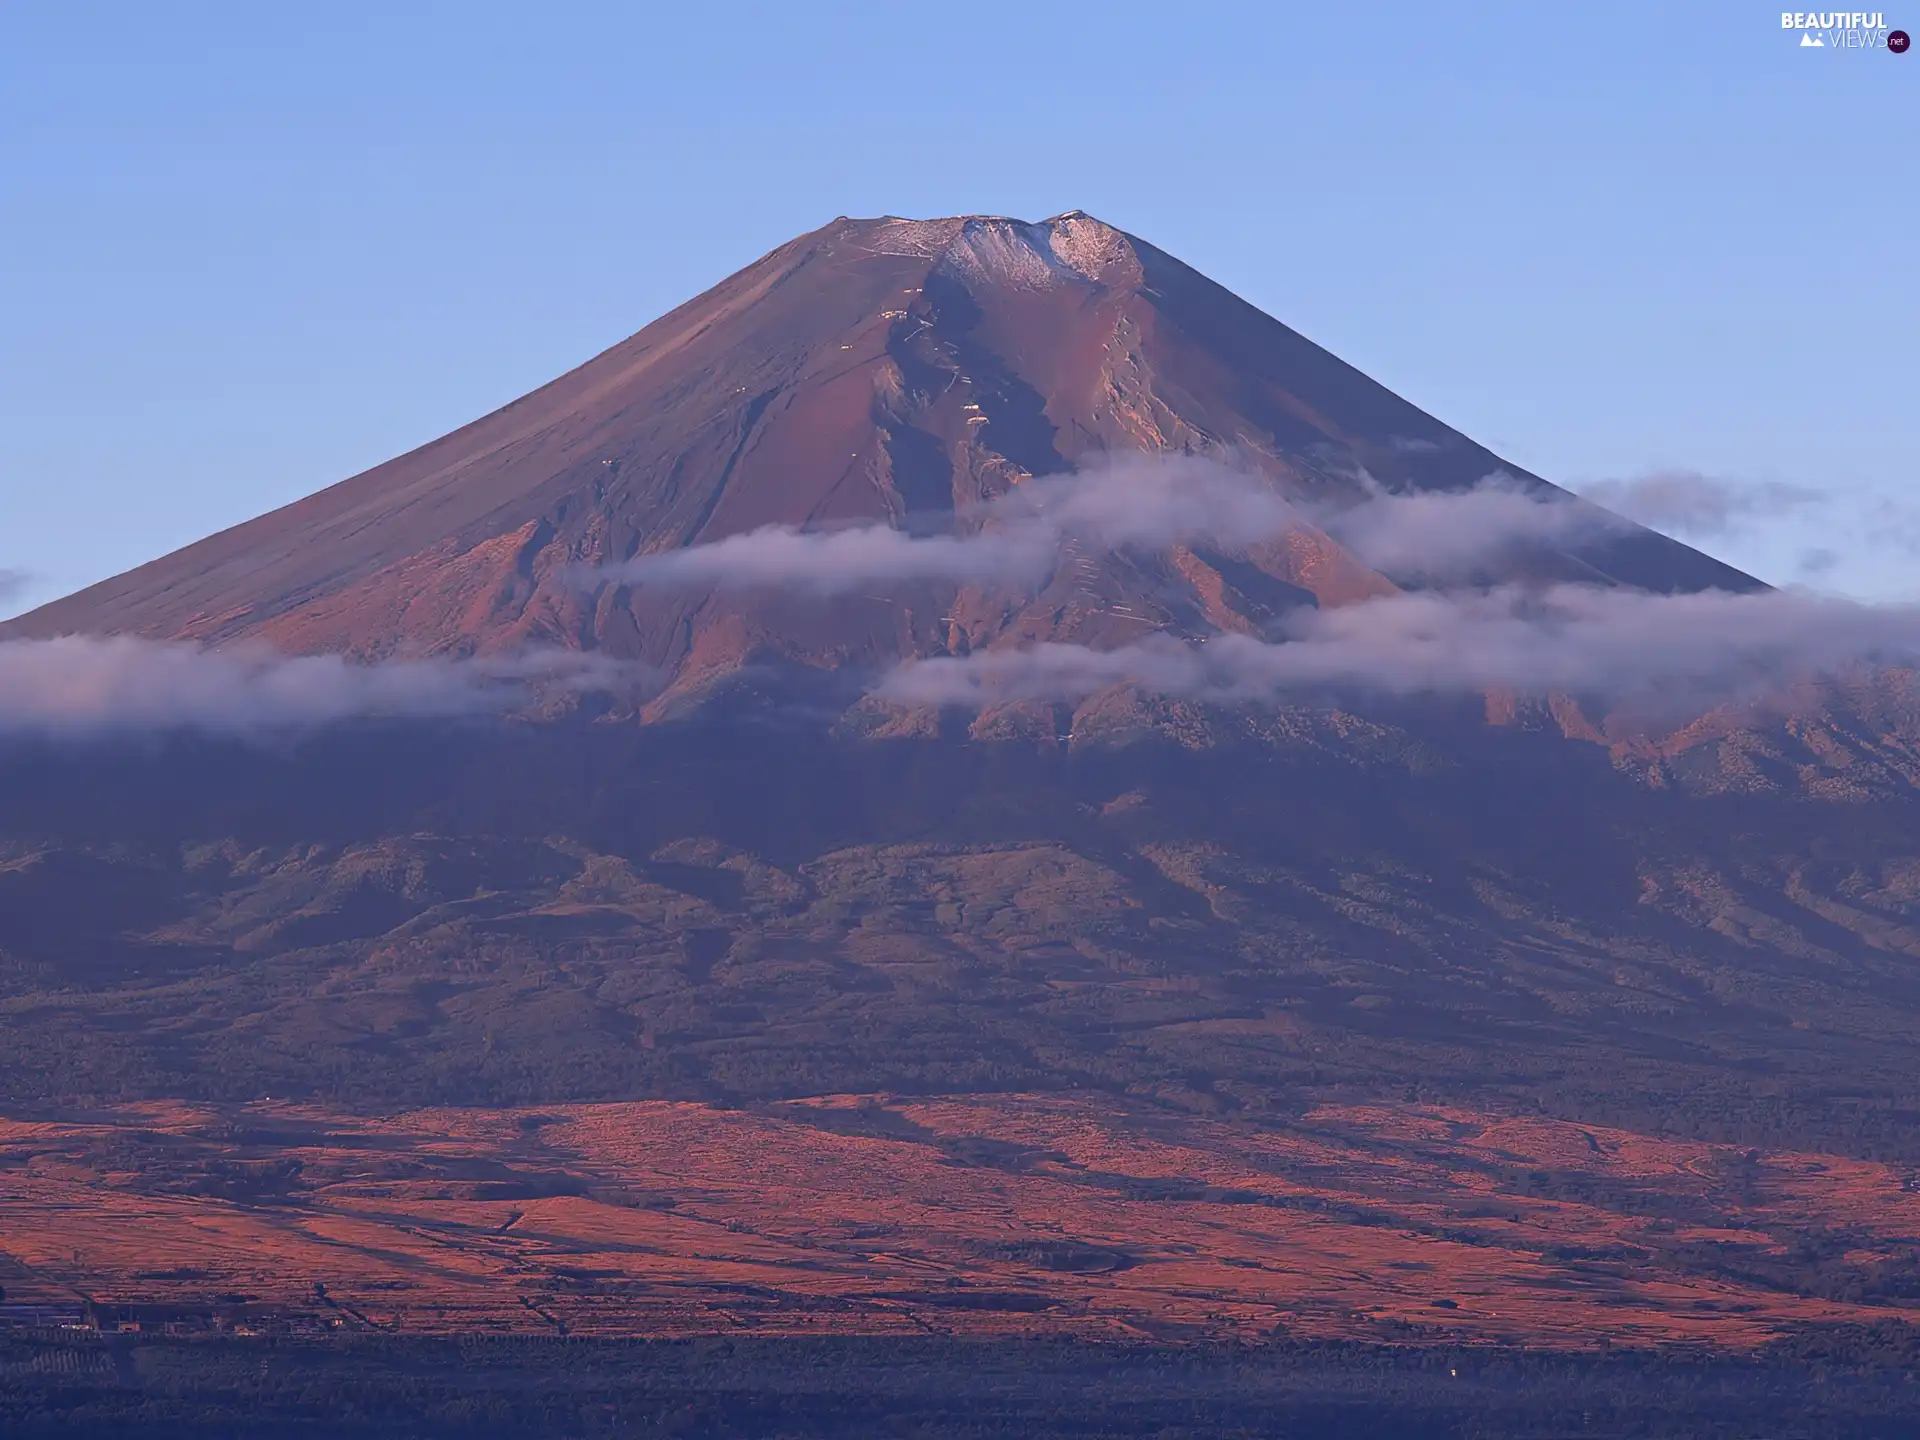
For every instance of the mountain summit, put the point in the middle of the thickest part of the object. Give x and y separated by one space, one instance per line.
903 372
1315 1010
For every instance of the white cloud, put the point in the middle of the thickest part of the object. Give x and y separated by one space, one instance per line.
1138 501
1689 650
1448 533
1687 502
1016 539
84 686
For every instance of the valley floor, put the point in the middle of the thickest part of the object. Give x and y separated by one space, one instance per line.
1063 1216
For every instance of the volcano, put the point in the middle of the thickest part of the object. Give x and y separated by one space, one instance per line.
1442 1015
899 372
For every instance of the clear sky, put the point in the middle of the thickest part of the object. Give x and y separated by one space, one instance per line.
247 250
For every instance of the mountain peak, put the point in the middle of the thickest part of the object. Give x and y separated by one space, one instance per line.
1004 250
872 371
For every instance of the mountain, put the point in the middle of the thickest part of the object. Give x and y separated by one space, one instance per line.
1228 997
891 371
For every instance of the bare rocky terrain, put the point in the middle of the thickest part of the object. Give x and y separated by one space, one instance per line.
759 891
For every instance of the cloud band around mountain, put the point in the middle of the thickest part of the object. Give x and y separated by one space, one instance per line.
1689 502
1014 540
1626 645
1694 649
79 687
1448 534
1134 501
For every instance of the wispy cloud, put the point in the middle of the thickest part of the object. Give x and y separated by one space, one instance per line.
1134 502
832 562
1817 560
1687 502
1015 540
82 687
13 584
1894 524
1445 534
1627 645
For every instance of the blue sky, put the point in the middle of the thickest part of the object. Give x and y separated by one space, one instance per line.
248 250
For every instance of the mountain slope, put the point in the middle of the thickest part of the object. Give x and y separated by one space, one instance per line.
536 914
1374 945
873 370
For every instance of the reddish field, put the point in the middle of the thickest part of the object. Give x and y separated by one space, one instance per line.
1030 1215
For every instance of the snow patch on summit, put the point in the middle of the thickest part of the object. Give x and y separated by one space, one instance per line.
1005 252
1091 247
920 239
1073 246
